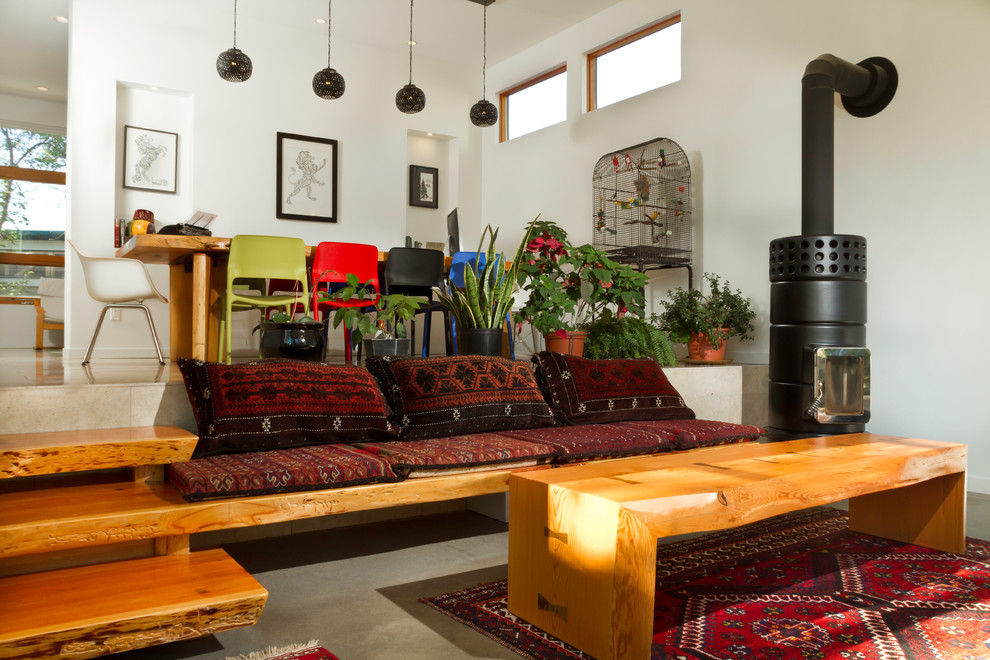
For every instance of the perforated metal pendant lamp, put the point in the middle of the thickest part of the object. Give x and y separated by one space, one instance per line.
327 83
484 113
232 64
410 99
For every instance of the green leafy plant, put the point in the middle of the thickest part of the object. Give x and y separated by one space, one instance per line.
722 314
487 295
386 318
570 286
612 336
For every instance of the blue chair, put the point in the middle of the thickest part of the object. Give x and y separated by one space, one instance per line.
459 261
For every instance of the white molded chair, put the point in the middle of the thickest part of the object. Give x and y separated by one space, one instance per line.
120 283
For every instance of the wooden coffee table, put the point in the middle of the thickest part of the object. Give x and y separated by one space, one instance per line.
583 539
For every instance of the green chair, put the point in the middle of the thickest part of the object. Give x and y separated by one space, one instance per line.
269 257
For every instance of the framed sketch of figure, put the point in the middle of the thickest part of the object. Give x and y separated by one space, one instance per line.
424 183
150 159
306 178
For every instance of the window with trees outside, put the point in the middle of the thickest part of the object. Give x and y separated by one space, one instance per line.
537 103
645 60
32 209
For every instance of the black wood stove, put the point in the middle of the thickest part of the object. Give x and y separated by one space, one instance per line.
819 362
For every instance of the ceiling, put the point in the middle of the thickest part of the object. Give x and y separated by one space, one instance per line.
39 45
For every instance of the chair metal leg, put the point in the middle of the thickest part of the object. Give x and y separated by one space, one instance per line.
99 324
92 342
154 335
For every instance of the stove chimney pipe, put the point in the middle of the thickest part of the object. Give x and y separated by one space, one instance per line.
819 363
866 89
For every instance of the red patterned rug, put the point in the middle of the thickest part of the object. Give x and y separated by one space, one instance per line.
796 587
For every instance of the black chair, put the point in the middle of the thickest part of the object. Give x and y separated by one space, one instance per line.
414 272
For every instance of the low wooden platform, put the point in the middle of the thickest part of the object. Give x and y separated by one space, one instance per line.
102 603
582 539
31 454
89 611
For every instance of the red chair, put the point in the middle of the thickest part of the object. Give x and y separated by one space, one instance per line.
331 264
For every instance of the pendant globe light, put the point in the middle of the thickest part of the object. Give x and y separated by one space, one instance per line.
410 99
328 84
484 113
232 64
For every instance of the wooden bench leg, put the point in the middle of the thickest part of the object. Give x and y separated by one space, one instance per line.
582 569
930 513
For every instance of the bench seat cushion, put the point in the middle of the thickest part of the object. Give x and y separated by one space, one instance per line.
279 471
460 453
693 433
451 396
575 443
275 404
583 391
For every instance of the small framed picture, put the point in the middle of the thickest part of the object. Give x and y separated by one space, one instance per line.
306 178
150 159
424 183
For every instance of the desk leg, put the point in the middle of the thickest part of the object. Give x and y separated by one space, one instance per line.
200 304
930 513
180 295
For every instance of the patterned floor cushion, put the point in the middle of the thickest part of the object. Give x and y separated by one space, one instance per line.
464 453
576 443
692 433
278 471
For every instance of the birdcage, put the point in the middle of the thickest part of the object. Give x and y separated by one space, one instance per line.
642 206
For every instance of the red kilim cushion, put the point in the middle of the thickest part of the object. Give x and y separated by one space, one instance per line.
584 391
596 441
282 403
279 471
691 433
458 452
445 396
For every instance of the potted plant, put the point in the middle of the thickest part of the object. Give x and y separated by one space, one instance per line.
571 287
628 336
480 308
705 322
381 323
295 339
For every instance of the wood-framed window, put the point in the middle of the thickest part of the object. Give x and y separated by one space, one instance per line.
536 103
636 63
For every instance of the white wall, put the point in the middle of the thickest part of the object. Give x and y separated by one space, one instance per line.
911 179
228 150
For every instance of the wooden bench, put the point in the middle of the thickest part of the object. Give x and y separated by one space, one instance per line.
88 525
583 539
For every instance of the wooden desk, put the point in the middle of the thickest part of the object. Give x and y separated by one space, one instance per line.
583 539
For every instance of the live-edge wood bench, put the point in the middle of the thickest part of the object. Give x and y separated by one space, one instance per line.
95 602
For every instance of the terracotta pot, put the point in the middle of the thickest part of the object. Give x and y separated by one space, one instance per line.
570 344
699 348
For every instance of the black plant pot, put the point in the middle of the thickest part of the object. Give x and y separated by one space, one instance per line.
481 341
295 341
386 347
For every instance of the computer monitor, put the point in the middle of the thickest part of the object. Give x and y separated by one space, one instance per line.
453 233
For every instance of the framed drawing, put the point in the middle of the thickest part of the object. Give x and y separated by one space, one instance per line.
424 186
306 178
150 159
